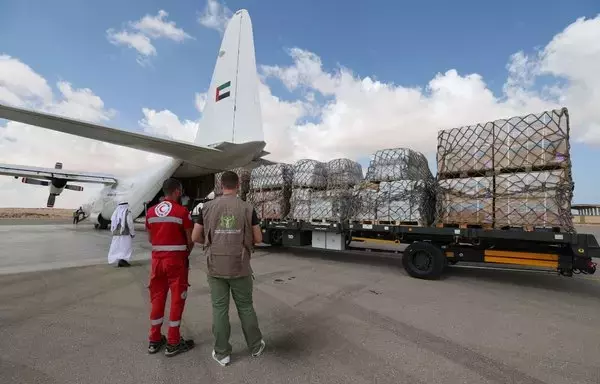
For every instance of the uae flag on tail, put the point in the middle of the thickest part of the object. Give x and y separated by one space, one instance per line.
223 91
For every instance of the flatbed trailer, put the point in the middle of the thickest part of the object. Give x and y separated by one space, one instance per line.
431 249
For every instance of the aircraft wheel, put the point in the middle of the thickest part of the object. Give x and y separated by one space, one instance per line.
102 223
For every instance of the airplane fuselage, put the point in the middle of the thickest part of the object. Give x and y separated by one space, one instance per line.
137 190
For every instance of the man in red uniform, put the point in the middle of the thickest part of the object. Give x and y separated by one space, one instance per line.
169 227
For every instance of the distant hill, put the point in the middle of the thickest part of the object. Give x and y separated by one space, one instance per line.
36 213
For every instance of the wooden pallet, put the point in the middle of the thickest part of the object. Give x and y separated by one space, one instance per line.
398 223
489 226
323 221
270 189
465 225
530 228
367 222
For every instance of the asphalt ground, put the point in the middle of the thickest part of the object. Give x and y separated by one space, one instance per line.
326 318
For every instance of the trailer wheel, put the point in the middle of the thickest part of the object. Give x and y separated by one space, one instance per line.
424 260
276 237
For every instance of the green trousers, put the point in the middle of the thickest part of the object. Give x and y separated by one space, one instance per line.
241 290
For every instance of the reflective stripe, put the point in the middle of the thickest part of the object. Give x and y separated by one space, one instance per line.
169 247
166 219
157 321
174 323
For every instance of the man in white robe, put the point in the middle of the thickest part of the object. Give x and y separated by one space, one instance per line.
123 231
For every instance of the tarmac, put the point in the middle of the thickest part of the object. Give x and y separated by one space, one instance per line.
68 317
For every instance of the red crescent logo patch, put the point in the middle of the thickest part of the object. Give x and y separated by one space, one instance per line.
163 209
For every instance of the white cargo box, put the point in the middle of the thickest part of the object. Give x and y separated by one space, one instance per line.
328 240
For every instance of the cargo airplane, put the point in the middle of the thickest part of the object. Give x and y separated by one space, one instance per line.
230 136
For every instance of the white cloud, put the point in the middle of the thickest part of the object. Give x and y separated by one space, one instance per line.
144 31
358 116
363 115
166 124
29 145
137 41
157 26
215 15
20 85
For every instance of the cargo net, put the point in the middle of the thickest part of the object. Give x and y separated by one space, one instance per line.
509 173
533 142
270 189
465 200
398 189
309 175
534 199
343 173
337 202
332 205
244 176
322 192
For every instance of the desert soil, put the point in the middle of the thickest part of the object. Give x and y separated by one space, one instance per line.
35 213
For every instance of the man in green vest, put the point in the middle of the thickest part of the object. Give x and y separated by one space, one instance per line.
229 227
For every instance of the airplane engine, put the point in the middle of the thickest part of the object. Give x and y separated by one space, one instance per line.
99 221
56 185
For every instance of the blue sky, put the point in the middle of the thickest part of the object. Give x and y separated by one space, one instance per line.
397 42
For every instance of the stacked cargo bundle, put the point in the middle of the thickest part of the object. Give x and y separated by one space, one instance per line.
308 176
398 190
337 202
507 173
270 189
243 174
366 202
343 173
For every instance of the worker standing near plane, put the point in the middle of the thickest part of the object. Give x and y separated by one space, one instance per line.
169 226
123 232
230 227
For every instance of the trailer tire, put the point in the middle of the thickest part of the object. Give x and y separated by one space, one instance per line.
424 260
276 237
348 240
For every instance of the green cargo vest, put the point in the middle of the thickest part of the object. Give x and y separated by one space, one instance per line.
228 229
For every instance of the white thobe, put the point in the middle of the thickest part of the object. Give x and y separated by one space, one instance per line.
121 246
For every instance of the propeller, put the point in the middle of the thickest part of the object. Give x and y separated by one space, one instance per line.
51 200
28 180
56 185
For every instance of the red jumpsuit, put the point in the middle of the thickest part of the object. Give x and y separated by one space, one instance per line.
167 222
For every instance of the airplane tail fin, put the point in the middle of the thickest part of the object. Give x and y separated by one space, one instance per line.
232 112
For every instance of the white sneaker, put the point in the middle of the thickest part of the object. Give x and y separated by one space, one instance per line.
224 361
260 350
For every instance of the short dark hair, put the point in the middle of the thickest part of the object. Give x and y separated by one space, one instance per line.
230 180
171 185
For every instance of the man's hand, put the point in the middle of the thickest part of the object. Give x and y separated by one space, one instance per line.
198 234
256 234
190 242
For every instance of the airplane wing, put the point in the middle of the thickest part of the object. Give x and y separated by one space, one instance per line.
53 173
168 147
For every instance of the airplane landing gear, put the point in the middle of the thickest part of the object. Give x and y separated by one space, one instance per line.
102 223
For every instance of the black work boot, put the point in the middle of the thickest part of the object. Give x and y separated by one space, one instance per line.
183 346
155 346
